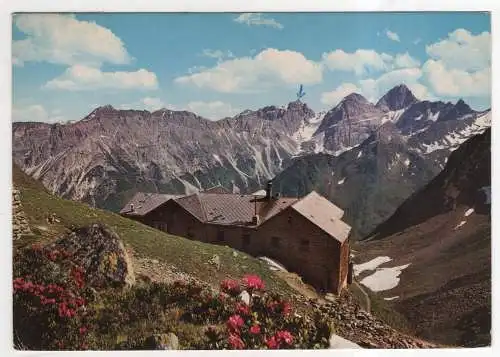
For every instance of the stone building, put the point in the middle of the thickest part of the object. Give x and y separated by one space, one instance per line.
306 235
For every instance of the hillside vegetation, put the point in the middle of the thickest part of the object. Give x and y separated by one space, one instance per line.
78 286
190 257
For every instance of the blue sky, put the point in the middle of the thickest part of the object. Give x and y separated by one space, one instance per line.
220 64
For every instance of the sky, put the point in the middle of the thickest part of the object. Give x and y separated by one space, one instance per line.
219 64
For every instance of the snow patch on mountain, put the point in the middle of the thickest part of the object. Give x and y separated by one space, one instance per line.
217 158
391 298
384 278
454 139
434 116
370 265
273 265
392 116
306 131
460 225
469 212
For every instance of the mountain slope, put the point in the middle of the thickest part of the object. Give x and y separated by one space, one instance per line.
349 123
110 154
439 241
181 255
369 182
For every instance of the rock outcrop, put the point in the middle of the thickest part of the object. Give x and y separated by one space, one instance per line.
164 341
101 254
20 224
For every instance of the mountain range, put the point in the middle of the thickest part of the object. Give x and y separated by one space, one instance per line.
358 153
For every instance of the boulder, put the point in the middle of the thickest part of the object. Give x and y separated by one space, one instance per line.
337 342
100 253
245 297
215 261
162 341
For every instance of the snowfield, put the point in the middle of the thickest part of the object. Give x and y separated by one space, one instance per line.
384 278
391 298
371 265
469 212
306 132
459 225
454 139
273 265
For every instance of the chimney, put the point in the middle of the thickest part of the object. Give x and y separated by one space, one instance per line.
256 220
269 190
131 207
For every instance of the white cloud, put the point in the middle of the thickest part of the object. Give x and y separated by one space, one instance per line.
36 113
405 61
269 68
217 54
152 104
373 89
257 19
213 110
63 39
334 97
148 103
463 50
81 77
359 62
457 82
460 65
366 61
417 41
392 35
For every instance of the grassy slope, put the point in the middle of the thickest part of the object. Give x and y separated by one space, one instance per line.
191 257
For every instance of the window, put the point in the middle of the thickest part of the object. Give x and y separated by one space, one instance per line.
246 240
289 219
304 245
275 242
220 236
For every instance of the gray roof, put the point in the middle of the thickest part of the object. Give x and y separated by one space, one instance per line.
236 209
143 203
323 214
232 209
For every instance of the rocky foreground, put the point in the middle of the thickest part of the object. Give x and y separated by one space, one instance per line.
364 329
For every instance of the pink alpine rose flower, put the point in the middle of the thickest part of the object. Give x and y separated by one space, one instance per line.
253 282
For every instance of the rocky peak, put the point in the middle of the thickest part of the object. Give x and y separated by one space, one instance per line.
397 98
463 107
456 111
298 105
352 108
354 98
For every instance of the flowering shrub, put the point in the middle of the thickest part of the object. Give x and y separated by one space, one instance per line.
55 307
253 282
267 322
231 287
49 315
